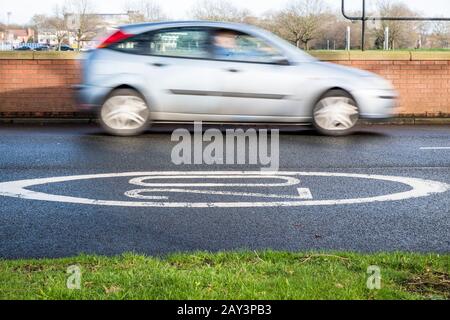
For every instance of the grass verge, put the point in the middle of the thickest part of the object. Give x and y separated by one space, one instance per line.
235 275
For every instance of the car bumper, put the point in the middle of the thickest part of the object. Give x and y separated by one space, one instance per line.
377 104
90 98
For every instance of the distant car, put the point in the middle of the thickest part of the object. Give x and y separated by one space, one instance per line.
42 48
23 48
65 47
223 72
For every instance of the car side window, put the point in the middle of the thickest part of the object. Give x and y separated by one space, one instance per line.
139 44
182 42
236 46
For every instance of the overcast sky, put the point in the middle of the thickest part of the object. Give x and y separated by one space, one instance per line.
23 10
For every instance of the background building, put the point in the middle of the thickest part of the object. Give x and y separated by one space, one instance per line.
21 35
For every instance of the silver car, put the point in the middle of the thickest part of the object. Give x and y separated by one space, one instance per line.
223 72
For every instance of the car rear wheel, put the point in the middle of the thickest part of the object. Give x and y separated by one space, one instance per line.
125 113
336 113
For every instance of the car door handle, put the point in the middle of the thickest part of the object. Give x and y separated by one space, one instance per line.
158 64
233 70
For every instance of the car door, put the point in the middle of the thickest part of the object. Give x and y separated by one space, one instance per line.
180 74
259 83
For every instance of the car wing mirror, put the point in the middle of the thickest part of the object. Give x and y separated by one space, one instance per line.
280 60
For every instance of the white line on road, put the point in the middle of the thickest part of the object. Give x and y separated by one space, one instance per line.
419 188
305 193
435 148
290 181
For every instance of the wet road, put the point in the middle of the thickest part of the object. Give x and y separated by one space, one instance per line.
326 196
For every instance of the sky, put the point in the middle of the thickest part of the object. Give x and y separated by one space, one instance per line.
23 10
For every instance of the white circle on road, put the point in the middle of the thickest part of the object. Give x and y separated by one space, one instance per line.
419 188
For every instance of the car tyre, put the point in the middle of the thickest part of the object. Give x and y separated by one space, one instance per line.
125 113
336 113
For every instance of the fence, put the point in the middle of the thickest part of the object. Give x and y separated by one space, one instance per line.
9 46
5 46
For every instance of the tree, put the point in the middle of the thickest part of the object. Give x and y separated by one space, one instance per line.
301 21
81 21
218 10
423 32
55 23
441 34
401 34
335 31
144 11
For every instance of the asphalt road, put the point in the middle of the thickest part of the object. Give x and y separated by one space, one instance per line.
42 228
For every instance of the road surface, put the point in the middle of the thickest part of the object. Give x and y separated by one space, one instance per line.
353 204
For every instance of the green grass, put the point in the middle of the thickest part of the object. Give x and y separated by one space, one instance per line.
237 275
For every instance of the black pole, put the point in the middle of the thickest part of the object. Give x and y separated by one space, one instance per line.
363 31
390 18
364 18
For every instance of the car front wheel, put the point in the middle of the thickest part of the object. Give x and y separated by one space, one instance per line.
125 113
335 114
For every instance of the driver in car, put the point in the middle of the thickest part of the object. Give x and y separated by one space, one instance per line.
225 44
231 45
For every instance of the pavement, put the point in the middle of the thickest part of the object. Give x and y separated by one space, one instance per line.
381 189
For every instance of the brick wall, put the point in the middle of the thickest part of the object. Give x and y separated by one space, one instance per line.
38 87
36 84
424 86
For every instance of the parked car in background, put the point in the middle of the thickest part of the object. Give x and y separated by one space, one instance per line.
42 48
223 72
65 47
23 48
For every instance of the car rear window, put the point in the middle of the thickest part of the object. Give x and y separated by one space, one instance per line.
139 44
180 42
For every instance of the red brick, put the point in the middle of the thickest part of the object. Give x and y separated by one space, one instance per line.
29 87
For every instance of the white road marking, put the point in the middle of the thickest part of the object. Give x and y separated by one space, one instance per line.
290 181
305 193
419 188
435 148
138 194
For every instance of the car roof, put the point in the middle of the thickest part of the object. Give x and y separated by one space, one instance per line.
148 26
179 22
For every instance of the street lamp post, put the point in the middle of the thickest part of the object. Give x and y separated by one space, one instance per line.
348 38
386 38
8 20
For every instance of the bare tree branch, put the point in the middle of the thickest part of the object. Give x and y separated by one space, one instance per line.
81 20
301 21
144 11
55 23
218 10
401 34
